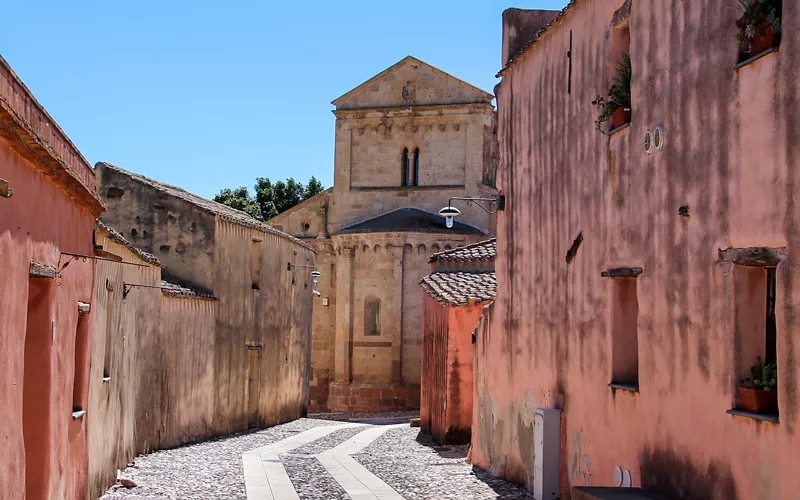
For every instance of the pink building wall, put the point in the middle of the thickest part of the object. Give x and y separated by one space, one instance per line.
731 154
52 210
447 366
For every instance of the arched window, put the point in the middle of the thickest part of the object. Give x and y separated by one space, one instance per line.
372 316
406 169
416 168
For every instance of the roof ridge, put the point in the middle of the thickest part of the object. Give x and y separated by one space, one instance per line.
223 211
117 237
399 63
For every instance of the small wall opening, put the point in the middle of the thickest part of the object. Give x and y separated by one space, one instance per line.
255 264
372 316
624 332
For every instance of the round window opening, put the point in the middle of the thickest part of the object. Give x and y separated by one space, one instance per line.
306 226
648 141
658 137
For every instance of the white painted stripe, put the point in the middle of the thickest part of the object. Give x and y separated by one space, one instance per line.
356 480
265 478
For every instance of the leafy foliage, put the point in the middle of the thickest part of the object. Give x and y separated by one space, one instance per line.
619 94
270 198
762 376
239 199
757 16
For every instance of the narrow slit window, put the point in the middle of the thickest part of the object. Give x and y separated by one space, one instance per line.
255 264
372 316
416 168
624 333
107 354
81 348
406 169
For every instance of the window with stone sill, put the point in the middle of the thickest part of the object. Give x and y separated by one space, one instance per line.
755 334
624 333
758 28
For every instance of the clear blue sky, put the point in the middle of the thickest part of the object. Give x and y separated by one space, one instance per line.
207 95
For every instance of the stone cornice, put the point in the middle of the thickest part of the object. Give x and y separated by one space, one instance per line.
35 136
418 111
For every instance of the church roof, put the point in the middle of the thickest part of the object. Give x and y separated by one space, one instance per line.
471 93
409 219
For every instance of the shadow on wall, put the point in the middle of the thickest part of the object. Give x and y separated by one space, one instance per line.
665 472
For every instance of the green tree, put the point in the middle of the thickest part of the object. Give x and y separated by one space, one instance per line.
270 198
313 187
265 197
240 199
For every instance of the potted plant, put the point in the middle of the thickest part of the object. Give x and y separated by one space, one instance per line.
617 106
758 393
760 25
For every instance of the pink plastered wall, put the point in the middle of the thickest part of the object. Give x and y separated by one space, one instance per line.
36 224
731 154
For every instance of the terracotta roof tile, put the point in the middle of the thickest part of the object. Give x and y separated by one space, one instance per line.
458 289
118 238
222 211
482 251
183 292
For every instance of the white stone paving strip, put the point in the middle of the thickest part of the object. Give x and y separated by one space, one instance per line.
265 477
356 480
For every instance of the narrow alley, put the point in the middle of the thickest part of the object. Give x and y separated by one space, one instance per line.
360 456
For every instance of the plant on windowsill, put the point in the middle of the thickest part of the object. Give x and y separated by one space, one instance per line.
759 28
758 393
617 106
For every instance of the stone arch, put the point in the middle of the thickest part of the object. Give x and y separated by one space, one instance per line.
421 248
376 248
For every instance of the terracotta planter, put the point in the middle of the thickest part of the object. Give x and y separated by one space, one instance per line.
763 42
620 116
758 400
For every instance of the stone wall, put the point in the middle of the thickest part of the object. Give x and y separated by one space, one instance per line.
410 105
368 164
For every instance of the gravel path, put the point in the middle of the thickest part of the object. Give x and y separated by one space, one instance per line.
401 457
332 440
203 471
409 463
311 480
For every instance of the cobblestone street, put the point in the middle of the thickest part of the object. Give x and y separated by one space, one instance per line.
312 458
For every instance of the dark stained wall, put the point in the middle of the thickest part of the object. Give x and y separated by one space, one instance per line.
730 154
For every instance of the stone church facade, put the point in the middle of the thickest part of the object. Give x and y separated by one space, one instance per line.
407 140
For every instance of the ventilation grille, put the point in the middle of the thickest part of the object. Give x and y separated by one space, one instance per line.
658 137
648 141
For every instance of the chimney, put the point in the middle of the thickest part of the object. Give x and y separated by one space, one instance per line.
519 26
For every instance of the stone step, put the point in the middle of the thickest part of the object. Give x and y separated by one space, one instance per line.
611 493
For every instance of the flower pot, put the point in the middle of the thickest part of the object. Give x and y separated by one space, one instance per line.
762 42
620 116
758 400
